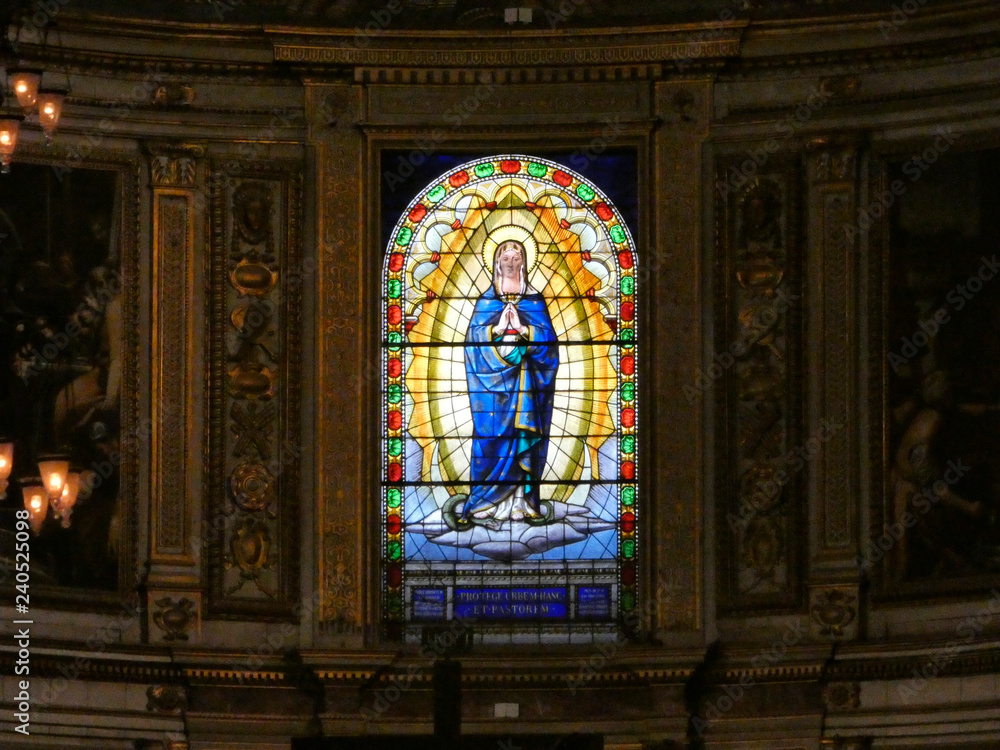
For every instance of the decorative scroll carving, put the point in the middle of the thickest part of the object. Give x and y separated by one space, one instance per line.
254 448
166 699
842 695
174 165
341 356
833 612
175 617
757 362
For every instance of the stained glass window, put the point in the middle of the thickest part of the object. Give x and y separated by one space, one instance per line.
510 478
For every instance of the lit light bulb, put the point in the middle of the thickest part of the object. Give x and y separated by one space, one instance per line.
3 462
36 503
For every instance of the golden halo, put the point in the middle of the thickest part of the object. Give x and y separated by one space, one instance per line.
510 232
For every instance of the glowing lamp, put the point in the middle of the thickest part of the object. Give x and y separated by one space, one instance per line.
24 82
54 470
62 506
36 502
50 103
9 125
6 464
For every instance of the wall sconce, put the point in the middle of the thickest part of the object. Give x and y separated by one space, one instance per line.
50 104
25 83
6 464
62 506
54 470
36 502
9 125
57 486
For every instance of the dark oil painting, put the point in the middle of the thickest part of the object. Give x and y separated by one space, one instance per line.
943 371
61 360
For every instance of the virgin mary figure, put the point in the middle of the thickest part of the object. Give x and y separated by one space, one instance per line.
511 358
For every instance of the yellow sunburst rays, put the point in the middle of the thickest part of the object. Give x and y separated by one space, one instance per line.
441 419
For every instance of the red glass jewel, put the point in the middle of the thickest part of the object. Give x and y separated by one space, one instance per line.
396 261
604 213
395 419
395 369
458 179
628 311
628 365
393 524
628 574
395 472
394 315
625 259
418 212
562 178
510 166
628 470
628 417
394 574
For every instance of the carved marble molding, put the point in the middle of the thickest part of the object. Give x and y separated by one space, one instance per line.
172 382
448 50
256 273
754 378
674 509
342 386
832 270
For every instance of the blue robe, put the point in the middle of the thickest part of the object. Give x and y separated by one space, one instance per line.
511 400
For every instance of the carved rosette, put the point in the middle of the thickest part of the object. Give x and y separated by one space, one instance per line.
254 444
833 612
755 371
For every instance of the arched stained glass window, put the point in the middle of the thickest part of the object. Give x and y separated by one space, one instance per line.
509 406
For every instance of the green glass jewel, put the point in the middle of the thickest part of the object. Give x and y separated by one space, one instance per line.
403 236
628 285
628 394
395 446
628 549
394 603
395 288
394 497
484 170
628 496
586 192
617 233
628 442
537 170
436 193
627 601
393 550
627 336
394 393
395 338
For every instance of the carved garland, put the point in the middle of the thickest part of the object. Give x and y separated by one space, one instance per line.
254 441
